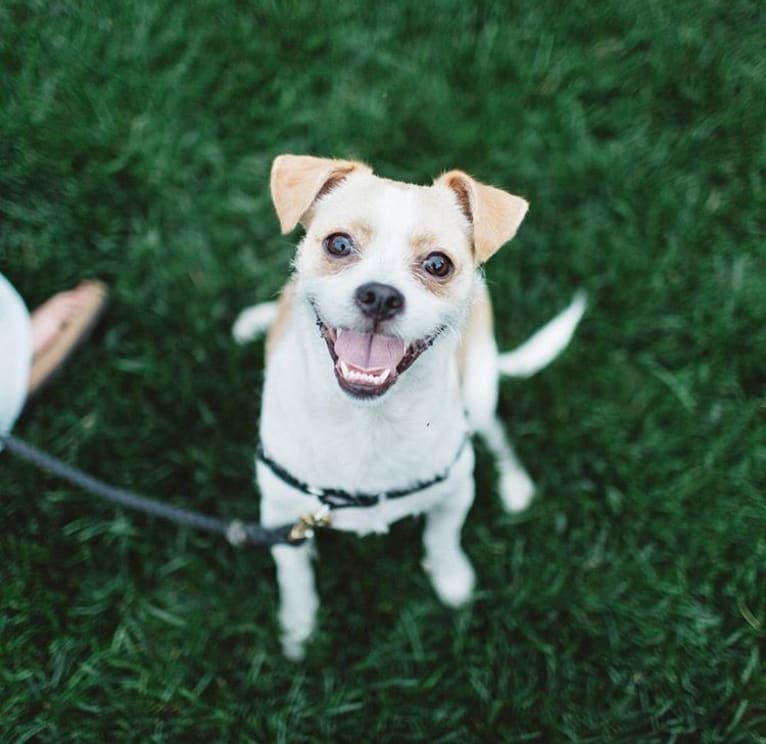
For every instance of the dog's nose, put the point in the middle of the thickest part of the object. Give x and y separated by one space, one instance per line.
379 301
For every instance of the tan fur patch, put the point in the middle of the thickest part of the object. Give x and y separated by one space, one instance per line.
298 180
478 325
421 245
330 265
494 214
361 234
279 325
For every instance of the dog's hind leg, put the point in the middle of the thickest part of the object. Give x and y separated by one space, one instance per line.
479 361
515 486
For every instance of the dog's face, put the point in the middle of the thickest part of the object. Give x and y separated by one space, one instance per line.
387 267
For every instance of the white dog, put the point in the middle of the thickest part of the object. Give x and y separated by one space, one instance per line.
381 363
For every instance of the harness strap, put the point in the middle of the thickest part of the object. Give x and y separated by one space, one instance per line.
337 498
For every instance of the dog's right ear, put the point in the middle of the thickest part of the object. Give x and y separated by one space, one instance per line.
494 214
297 181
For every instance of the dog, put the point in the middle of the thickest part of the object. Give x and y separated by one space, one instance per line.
381 364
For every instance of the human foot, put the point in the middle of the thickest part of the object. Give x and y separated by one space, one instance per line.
59 324
49 319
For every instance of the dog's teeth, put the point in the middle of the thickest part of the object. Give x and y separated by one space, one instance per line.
366 378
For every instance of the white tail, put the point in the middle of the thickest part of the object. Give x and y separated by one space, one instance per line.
545 345
254 322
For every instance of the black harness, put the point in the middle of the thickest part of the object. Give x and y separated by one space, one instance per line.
337 498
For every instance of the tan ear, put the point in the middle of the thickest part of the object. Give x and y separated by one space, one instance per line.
297 181
494 214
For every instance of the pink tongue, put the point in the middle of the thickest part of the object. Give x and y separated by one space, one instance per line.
369 351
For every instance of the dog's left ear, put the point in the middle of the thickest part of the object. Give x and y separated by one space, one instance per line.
494 214
297 181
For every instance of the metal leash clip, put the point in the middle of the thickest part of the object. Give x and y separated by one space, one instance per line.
304 528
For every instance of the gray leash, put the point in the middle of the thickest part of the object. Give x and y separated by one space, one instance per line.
235 531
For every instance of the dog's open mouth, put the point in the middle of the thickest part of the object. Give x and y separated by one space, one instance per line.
367 364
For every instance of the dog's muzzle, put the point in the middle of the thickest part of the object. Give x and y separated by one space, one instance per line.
367 363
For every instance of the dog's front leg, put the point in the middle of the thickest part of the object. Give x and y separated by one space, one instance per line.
298 601
451 573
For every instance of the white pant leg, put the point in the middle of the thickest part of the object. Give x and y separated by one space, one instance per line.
15 354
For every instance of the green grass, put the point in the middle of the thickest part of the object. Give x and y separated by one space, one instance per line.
628 604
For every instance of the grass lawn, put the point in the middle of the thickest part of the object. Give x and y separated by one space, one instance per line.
628 604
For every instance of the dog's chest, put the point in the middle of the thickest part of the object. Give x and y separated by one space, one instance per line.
362 453
325 442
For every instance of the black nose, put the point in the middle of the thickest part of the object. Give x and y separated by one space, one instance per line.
379 301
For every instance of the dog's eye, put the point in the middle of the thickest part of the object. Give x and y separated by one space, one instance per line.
339 244
437 264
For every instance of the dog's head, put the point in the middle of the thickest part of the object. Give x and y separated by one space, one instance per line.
387 267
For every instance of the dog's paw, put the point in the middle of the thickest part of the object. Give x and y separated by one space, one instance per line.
294 640
516 490
453 579
292 649
297 623
253 322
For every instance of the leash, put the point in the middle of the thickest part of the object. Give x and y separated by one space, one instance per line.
236 531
